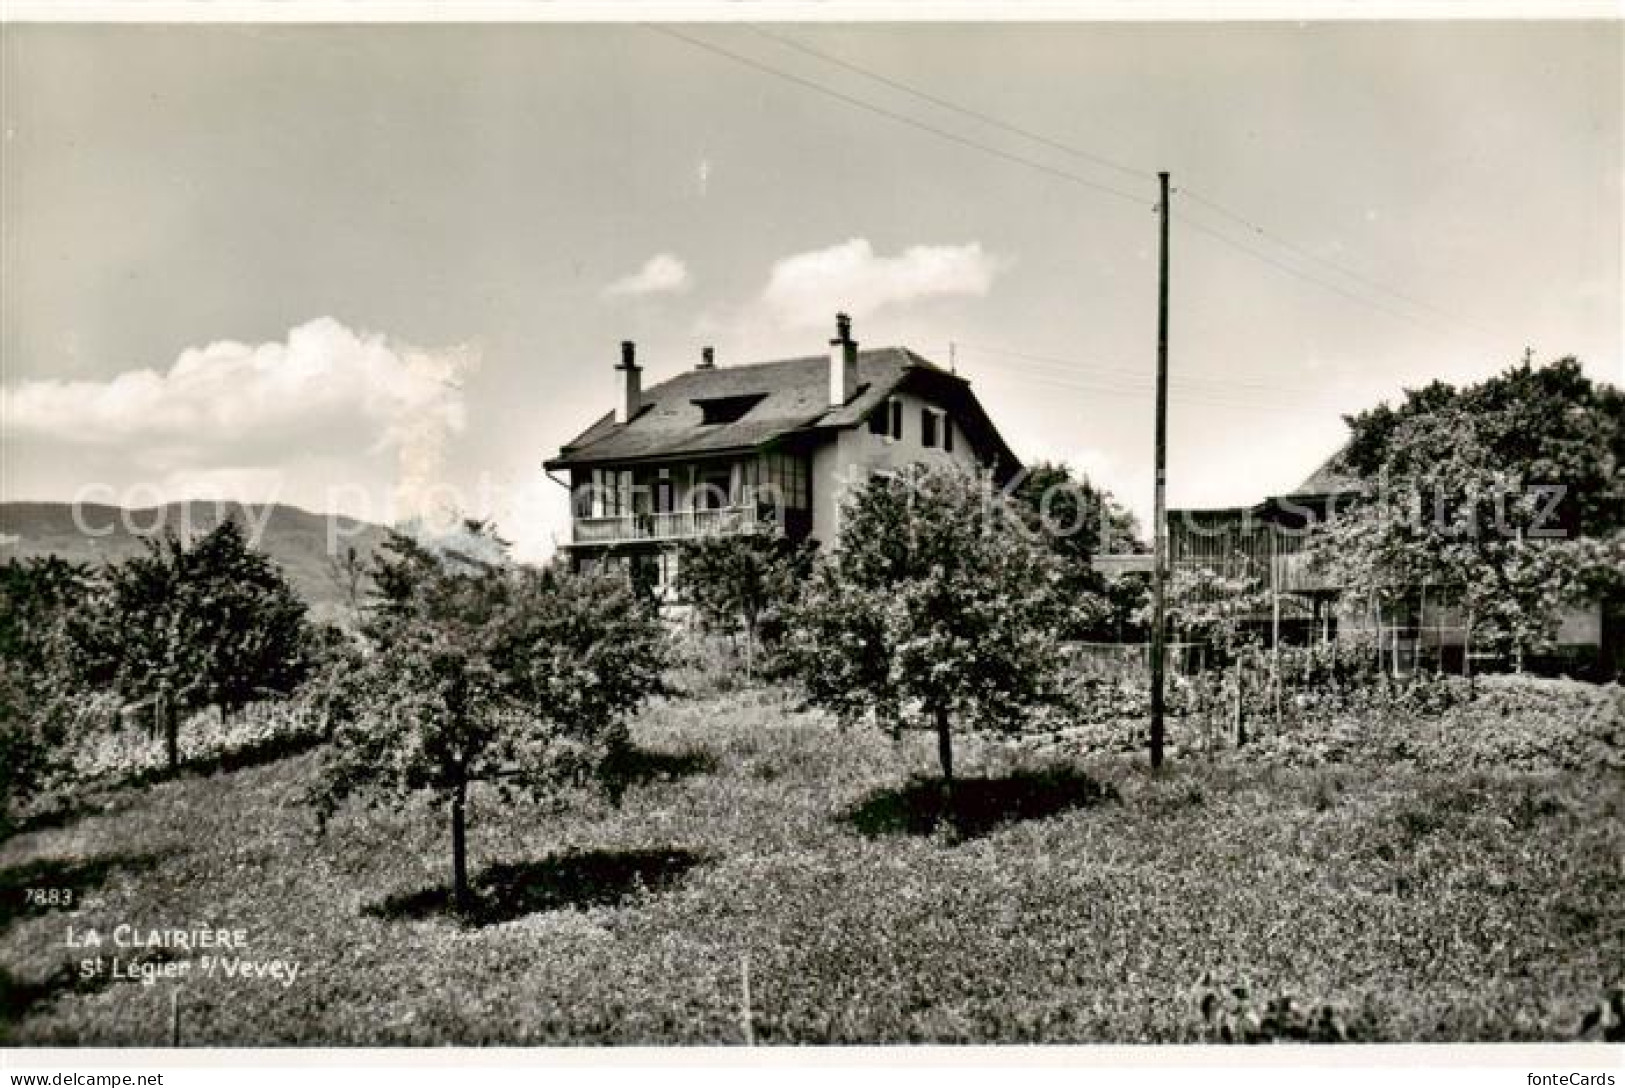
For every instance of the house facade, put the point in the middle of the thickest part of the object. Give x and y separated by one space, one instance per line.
768 447
1268 543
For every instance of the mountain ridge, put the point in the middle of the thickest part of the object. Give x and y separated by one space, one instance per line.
304 544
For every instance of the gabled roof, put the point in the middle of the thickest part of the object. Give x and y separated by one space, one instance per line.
1333 477
795 400
1330 482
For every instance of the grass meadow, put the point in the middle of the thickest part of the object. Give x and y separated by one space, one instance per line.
1072 897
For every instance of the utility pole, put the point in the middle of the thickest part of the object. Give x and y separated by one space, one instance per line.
1159 557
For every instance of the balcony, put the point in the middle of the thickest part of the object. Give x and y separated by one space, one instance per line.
677 525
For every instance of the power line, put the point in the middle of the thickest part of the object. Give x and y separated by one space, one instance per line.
1140 393
1133 198
1069 366
1127 382
1301 274
1184 392
1101 160
1121 388
1307 254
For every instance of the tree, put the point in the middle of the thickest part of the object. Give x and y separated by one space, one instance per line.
38 599
348 572
1546 424
1078 521
480 671
34 724
1076 518
188 625
40 605
737 582
936 606
1506 496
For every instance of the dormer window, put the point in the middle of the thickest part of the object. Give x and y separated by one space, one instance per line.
718 410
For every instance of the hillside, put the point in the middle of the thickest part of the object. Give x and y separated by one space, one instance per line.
296 539
1081 901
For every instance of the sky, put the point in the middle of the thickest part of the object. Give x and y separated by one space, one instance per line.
385 270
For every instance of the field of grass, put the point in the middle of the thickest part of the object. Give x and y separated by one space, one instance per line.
1075 901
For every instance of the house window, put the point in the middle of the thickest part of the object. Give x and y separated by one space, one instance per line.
713 489
663 492
599 493
887 419
936 429
609 495
778 479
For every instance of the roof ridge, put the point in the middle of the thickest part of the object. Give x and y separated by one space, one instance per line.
762 364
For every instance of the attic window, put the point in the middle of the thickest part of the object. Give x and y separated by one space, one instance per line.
717 410
887 419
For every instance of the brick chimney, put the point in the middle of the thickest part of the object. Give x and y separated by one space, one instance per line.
843 363
708 359
631 390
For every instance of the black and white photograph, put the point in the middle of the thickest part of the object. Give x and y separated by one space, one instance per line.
751 530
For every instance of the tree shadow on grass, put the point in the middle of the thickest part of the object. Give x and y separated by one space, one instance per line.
591 878
75 875
19 998
224 761
633 766
100 796
53 814
978 805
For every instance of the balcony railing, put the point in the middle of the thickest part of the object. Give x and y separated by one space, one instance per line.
677 525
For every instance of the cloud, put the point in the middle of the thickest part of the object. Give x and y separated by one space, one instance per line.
231 416
661 274
806 288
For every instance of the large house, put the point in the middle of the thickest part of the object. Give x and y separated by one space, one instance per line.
765 447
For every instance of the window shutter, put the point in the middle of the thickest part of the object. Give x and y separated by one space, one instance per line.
947 434
897 420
